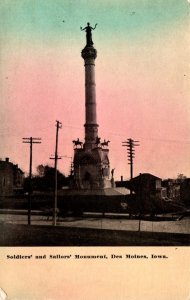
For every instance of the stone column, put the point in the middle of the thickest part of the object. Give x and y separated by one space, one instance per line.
89 54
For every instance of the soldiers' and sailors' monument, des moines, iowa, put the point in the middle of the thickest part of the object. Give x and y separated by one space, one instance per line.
91 158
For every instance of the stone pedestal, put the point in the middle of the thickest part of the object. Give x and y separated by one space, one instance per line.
91 168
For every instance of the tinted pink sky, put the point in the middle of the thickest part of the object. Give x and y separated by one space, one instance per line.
142 84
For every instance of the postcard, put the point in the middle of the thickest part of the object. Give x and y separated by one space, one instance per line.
95 136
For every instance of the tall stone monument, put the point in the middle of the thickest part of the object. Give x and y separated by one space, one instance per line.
91 160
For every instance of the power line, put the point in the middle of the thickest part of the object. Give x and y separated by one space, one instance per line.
154 139
108 133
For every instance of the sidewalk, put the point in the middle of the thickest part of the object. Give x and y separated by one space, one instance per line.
96 222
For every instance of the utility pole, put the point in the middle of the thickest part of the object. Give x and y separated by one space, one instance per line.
30 141
58 126
130 144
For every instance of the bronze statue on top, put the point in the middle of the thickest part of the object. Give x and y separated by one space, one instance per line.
88 30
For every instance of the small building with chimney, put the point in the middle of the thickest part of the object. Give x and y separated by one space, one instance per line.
11 178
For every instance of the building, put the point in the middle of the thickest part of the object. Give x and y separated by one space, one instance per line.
148 192
11 178
91 158
151 196
185 192
147 185
172 189
122 183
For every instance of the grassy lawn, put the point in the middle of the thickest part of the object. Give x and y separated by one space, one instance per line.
42 235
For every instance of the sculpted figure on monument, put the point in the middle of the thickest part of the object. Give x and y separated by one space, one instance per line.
105 143
77 142
112 172
98 140
88 30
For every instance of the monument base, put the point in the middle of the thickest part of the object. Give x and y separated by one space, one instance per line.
91 169
76 202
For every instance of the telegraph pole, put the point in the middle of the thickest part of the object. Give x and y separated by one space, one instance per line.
58 126
130 144
30 141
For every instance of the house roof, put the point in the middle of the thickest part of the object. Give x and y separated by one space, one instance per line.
4 164
145 175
